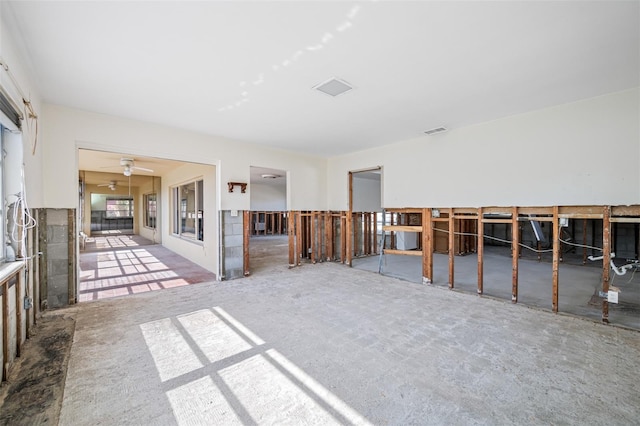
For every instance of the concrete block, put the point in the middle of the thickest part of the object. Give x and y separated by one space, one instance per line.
233 263
233 252
232 219
57 267
57 234
232 274
57 217
228 229
57 251
238 228
233 241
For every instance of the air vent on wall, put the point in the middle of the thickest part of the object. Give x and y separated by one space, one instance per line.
334 87
436 130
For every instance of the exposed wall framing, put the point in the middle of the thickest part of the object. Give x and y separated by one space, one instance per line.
591 231
268 223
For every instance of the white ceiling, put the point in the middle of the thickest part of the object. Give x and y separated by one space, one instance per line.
245 70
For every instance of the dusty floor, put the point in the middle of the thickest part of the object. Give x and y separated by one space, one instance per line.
33 393
326 344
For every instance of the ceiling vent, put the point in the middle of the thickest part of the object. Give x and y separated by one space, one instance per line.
436 130
334 87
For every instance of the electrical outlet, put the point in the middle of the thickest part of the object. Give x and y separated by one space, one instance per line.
564 222
28 303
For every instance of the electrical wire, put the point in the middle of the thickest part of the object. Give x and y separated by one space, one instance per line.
495 239
579 245
29 113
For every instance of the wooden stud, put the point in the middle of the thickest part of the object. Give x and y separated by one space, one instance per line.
299 232
314 235
452 235
5 330
19 304
343 236
375 233
480 251
246 233
556 258
515 254
349 238
584 241
328 236
606 252
427 247
292 241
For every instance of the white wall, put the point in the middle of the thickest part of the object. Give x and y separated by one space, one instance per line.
367 195
268 197
67 129
581 153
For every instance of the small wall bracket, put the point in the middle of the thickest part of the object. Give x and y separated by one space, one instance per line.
242 185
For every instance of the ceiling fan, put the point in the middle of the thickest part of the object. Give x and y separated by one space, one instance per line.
112 185
129 166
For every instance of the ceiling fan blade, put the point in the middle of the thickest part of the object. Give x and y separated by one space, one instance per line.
144 169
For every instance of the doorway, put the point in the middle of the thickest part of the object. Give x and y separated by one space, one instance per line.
366 212
268 240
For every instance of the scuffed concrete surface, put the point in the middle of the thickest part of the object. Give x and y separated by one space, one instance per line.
323 344
33 392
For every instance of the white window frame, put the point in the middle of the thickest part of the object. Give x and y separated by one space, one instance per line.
188 210
147 211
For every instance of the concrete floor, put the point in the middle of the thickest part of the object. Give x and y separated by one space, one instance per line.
577 290
120 265
328 344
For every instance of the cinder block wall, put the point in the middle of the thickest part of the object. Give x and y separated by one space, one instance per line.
58 256
232 245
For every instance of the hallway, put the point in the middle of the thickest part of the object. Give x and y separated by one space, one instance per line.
120 265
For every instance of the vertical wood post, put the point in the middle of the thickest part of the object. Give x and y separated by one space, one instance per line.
299 232
375 233
480 251
5 329
313 228
515 253
71 253
556 258
584 241
291 225
343 236
19 304
349 238
606 252
427 247
328 236
452 234
246 232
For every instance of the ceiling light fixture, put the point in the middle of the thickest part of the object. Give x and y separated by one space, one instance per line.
269 176
333 87
127 170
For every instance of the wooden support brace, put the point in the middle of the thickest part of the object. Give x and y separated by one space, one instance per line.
606 251
480 250
246 231
452 234
556 259
515 254
299 233
349 238
292 241
5 330
427 247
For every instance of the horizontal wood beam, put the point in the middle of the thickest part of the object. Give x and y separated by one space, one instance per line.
402 228
404 252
